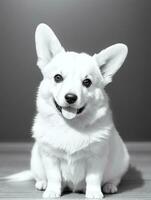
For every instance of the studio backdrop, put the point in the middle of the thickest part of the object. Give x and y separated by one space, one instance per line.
82 26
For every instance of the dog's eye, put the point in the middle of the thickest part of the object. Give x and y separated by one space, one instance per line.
58 78
87 82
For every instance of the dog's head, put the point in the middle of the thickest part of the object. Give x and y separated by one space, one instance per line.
75 81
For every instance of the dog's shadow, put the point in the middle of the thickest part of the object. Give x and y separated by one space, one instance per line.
132 180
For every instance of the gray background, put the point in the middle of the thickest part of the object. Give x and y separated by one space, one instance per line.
81 25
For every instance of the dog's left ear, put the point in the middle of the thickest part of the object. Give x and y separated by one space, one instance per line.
47 45
110 60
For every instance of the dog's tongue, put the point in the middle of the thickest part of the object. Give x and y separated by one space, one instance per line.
69 113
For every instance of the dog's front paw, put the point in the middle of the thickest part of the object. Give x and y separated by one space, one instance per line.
94 194
41 185
109 188
49 193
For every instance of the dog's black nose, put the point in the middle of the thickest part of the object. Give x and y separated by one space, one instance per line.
71 98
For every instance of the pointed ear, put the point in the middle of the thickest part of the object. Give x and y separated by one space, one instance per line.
110 60
47 45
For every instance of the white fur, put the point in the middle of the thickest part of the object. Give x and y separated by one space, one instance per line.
85 152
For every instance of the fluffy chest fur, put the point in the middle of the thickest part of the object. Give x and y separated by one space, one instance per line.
55 132
73 166
73 145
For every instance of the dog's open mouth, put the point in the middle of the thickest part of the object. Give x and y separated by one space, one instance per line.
69 112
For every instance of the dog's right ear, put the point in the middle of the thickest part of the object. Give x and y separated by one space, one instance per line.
47 45
110 60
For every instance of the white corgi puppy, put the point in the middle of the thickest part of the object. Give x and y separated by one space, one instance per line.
76 142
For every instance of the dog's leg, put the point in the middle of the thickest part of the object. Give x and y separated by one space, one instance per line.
95 170
37 169
52 168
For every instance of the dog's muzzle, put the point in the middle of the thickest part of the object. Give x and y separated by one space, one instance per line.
69 112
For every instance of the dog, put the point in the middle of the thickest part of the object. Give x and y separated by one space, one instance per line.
76 142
